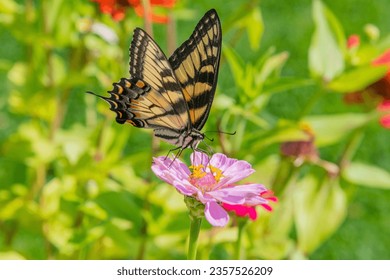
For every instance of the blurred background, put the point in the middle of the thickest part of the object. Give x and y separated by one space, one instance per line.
305 85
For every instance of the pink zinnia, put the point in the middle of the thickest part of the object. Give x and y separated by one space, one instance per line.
212 182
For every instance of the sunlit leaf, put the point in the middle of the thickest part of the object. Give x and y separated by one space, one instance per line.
272 64
11 255
367 175
319 209
281 133
286 83
253 23
357 79
325 53
9 209
74 142
18 73
235 63
51 196
330 129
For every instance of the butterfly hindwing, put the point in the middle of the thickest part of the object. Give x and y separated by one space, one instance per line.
196 64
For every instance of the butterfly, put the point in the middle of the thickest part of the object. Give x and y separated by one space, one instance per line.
171 96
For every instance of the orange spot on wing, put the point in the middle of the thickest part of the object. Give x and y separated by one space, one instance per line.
131 122
140 84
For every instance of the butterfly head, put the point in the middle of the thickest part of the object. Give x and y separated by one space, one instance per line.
194 138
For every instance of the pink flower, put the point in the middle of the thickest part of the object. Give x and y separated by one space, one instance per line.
212 182
250 211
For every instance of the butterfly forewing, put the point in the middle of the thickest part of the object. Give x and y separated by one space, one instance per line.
196 63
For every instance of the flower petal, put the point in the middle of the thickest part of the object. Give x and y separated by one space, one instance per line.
215 214
233 170
198 158
221 161
185 188
242 210
170 170
248 194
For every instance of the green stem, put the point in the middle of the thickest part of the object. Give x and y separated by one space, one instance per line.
241 226
351 148
312 101
282 176
193 241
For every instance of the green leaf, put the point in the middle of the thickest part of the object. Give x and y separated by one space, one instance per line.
357 79
325 53
271 64
279 134
73 142
330 129
255 27
286 83
319 209
235 63
367 175
9 210
11 255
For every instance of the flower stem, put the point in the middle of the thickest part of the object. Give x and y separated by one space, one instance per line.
282 176
193 241
351 148
241 226
311 102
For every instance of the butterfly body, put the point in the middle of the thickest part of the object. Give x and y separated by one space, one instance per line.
171 96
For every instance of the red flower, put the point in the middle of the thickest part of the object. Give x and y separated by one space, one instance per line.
385 119
250 211
113 7
116 8
379 91
383 60
353 41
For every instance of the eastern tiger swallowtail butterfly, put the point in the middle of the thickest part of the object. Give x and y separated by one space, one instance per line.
171 96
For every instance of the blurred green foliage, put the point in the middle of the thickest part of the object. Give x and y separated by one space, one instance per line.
77 185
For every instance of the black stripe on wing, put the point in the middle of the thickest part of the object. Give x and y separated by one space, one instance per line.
196 64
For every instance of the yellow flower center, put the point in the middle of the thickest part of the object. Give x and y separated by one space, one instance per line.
203 179
197 171
216 172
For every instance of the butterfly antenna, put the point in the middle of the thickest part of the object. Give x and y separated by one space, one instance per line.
208 138
222 132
